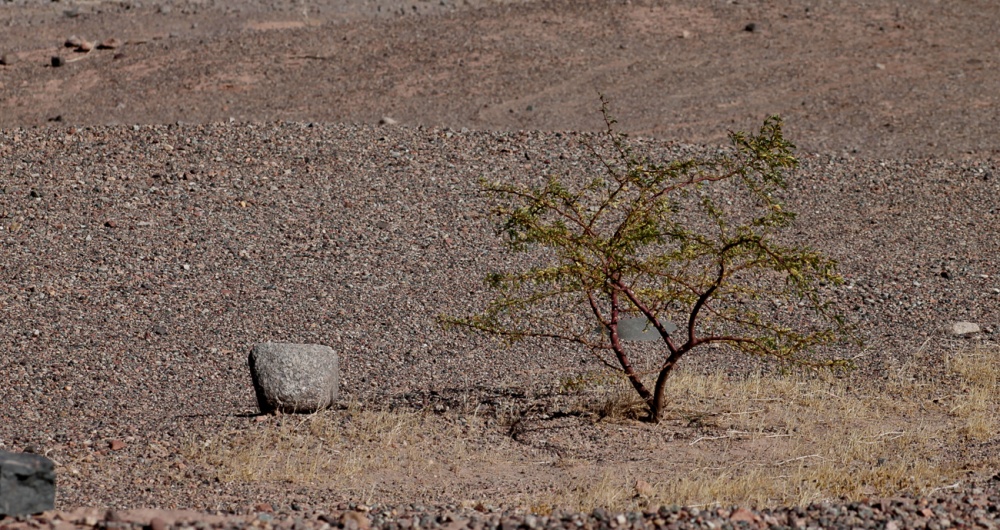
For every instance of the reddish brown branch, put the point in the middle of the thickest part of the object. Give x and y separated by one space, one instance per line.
623 359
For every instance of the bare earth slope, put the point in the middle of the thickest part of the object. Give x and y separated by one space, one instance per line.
222 180
880 79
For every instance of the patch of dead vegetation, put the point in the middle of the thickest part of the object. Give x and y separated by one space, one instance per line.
760 440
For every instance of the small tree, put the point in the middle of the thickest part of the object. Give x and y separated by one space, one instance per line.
691 238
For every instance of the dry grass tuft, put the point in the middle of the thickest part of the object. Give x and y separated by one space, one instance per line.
620 403
975 401
357 450
812 436
757 440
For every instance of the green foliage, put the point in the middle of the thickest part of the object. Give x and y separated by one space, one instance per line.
692 241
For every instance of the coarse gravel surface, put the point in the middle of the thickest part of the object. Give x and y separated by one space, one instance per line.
141 263
222 180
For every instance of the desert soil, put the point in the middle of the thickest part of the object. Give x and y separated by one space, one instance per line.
246 171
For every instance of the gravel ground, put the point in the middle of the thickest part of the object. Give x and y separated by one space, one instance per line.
974 508
140 264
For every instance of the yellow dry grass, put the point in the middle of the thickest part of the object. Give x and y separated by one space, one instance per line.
758 440
357 450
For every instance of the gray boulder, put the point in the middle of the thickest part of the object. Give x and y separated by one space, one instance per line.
27 484
294 378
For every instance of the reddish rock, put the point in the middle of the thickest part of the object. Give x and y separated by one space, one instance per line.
643 488
355 521
743 514
116 445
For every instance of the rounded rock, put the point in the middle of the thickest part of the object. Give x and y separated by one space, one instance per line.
294 378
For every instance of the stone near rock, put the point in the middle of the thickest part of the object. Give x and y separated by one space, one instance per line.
27 484
57 61
73 42
743 515
109 44
639 329
644 489
85 46
294 378
354 521
964 328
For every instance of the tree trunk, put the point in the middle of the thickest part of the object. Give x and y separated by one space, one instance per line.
656 406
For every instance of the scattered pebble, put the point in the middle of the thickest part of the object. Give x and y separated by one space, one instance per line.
964 328
109 44
963 509
644 489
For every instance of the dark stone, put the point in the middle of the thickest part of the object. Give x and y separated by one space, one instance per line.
751 27
57 61
27 484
